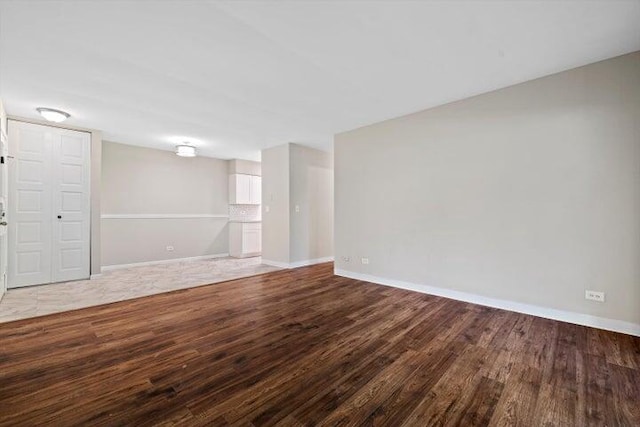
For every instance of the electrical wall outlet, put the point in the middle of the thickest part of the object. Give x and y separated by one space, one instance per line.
365 260
266 208
169 248
594 296
297 208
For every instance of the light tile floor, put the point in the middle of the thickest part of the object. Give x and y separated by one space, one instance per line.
119 285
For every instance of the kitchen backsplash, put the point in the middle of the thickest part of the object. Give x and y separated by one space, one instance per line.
244 213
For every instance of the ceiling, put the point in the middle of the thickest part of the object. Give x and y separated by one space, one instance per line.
237 77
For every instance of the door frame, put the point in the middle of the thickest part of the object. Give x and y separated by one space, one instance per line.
4 196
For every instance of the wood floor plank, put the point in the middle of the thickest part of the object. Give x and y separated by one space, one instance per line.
304 347
519 397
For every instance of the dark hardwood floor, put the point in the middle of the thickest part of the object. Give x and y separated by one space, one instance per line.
304 347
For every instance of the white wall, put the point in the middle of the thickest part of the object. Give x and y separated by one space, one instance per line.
529 194
297 191
144 181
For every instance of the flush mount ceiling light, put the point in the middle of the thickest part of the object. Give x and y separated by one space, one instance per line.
185 150
52 115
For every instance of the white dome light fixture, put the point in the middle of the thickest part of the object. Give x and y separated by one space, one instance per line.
52 115
185 150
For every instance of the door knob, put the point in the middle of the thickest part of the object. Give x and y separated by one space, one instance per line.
3 223
59 216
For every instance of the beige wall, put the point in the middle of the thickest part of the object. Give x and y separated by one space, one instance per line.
311 189
96 177
245 167
96 188
275 204
144 181
529 194
297 190
3 119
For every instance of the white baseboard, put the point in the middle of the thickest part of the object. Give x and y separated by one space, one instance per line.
548 313
297 264
310 262
95 276
275 263
163 261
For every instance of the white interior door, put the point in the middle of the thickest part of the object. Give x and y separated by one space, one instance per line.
71 205
48 178
29 204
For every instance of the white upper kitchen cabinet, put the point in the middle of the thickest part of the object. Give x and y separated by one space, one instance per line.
256 190
245 189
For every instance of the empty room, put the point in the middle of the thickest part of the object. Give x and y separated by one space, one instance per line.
319 213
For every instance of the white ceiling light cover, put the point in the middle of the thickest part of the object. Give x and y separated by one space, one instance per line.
186 150
52 115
